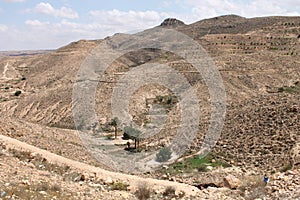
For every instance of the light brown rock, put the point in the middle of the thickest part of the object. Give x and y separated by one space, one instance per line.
232 182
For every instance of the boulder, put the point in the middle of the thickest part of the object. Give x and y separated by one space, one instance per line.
231 182
109 181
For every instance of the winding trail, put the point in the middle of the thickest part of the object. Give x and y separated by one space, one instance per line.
4 76
134 181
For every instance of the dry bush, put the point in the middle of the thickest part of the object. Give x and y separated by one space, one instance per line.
42 186
143 192
253 187
21 191
56 188
169 191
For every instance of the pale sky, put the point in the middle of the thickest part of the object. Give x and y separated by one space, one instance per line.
36 24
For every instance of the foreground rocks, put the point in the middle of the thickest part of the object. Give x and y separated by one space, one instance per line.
285 185
232 182
262 134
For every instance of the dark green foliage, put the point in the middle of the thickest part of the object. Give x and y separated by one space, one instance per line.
286 167
119 186
163 155
160 98
134 134
131 133
292 89
17 93
169 100
115 122
202 168
196 163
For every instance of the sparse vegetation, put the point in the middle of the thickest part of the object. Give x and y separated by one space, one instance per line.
254 56
287 167
291 89
169 192
42 190
39 162
252 187
203 168
163 155
119 186
196 163
17 93
143 192
132 133
168 101
109 137
115 122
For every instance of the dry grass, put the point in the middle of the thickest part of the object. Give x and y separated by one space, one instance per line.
39 191
169 192
253 187
143 192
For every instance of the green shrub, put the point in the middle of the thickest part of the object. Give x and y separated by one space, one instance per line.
196 163
163 155
160 98
17 93
286 168
169 100
202 168
119 186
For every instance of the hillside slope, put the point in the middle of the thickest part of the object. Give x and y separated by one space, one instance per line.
258 59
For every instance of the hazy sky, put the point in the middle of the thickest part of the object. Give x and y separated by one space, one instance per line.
35 24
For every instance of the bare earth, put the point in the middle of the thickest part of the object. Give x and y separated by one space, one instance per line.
43 157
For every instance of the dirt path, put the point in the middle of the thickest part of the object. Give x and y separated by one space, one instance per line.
4 76
134 181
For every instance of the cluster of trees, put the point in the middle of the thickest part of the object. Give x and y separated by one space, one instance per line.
134 134
129 132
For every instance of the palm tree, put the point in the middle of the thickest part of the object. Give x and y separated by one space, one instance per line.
134 134
115 122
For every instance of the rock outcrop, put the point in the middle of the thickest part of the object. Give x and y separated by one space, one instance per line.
172 22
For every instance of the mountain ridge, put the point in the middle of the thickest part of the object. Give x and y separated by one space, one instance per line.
257 59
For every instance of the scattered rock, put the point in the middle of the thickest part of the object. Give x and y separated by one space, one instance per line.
84 177
31 165
232 182
164 176
26 182
165 167
3 194
108 181
33 155
43 192
173 179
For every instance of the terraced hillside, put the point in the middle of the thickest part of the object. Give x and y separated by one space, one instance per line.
259 62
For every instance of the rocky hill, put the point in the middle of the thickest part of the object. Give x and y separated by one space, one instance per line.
258 59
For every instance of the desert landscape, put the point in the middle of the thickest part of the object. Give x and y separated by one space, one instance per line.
43 154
